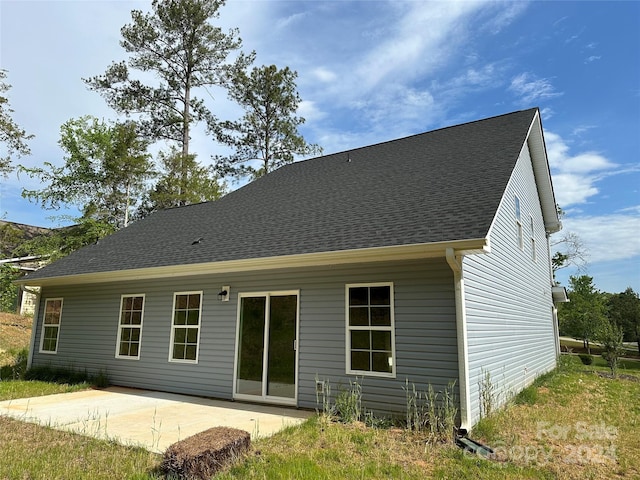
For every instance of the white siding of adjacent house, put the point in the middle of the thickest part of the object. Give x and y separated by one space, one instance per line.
425 330
508 297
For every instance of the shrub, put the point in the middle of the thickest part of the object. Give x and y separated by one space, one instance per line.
586 358
62 375
611 338
17 369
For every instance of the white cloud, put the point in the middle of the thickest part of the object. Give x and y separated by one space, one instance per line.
608 237
575 176
592 58
531 89
324 74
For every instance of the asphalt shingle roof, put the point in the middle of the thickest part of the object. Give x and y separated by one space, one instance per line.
437 186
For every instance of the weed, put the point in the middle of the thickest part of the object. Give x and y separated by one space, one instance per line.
488 394
431 411
348 403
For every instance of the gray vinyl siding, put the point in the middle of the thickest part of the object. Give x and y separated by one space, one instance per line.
508 297
425 330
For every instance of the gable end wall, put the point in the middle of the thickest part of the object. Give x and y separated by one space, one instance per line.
508 298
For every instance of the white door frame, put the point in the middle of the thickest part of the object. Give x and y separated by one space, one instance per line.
264 397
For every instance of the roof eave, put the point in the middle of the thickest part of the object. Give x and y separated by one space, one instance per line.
542 174
365 255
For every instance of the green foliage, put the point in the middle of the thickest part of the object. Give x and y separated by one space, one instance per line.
183 182
528 396
488 393
66 375
431 412
586 358
106 167
8 290
611 339
177 45
268 131
585 313
13 139
16 370
348 403
624 310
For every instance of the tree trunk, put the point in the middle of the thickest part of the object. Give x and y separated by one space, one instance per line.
185 142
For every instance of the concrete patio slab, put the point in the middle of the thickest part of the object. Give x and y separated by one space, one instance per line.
148 419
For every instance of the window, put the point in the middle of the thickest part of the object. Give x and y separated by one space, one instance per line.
370 329
130 328
51 325
534 254
519 224
185 330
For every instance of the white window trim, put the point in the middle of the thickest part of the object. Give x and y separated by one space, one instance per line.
44 316
391 328
518 217
121 326
173 311
532 238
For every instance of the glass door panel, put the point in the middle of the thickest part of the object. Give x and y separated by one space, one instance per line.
251 347
266 365
281 371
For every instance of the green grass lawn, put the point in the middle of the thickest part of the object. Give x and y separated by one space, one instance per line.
571 424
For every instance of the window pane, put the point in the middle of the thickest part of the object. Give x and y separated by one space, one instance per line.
359 296
381 340
194 301
180 318
126 334
181 302
178 352
360 340
360 361
124 348
137 303
134 350
127 303
359 316
192 317
190 352
136 318
382 362
192 335
381 316
135 334
180 335
380 296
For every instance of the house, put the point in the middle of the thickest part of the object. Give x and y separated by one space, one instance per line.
423 259
12 234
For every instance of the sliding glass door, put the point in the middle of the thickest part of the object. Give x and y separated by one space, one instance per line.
266 349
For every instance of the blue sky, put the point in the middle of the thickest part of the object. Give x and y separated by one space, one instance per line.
372 71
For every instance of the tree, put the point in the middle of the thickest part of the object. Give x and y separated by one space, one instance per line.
573 251
12 137
584 315
268 131
199 184
624 310
106 166
177 44
611 337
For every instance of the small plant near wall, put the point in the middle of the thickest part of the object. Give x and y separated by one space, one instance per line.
432 412
488 394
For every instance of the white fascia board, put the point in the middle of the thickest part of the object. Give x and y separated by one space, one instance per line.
542 173
365 255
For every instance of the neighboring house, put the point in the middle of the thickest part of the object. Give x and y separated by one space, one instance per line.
423 259
12 234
